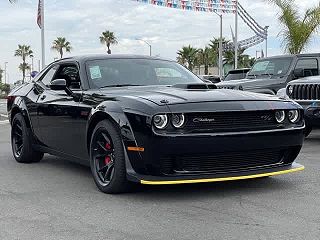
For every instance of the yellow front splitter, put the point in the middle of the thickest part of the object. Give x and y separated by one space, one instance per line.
222 179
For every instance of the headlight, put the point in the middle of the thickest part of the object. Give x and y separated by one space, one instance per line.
178 120
280 116
160 121
294 116
290 90
240 88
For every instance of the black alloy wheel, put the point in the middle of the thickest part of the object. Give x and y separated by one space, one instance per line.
103 156
107 158
17 138
21 142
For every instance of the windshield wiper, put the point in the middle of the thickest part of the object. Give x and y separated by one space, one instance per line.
121 85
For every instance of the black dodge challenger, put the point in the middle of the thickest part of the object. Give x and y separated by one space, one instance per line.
151 121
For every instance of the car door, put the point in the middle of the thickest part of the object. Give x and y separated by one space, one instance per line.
59 113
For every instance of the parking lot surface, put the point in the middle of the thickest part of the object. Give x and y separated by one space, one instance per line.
3 109
55 199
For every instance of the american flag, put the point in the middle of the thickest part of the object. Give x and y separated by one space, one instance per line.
39 14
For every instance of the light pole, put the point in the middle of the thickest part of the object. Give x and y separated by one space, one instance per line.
220 48
150 47
5 72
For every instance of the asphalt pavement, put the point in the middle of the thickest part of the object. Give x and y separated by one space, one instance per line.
3 110
55 199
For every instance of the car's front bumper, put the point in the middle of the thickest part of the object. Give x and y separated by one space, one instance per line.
170 180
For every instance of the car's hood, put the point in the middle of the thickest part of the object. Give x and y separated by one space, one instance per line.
249 83
162 95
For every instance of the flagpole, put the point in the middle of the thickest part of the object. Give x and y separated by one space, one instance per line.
42 36
236 38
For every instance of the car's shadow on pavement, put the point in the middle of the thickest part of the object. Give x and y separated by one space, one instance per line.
175 192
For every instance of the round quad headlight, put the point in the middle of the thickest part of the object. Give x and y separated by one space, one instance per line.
178 120
290 90
294 116
280 116
160 121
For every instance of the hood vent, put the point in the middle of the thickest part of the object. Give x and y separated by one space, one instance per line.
195 86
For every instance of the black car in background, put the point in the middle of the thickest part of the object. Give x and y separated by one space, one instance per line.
269 75
306 92
151 121
237 74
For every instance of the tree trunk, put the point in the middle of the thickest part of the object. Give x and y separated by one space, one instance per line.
206 69
23 71
61 53
109 50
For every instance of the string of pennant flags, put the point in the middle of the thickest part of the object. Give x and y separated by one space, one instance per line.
222 6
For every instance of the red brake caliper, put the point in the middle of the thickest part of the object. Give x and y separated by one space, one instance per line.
107 160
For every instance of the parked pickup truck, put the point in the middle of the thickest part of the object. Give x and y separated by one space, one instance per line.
268 75
306 92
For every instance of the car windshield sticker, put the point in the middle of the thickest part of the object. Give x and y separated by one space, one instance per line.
95 72
260 66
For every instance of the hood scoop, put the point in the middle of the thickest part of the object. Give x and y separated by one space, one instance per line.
196 86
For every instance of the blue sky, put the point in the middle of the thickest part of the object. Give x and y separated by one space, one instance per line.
82 21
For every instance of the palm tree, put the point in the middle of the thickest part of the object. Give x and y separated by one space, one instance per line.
23 51
244 60
1 72
207 57
108 38
61 43
24 67
297 30
187 55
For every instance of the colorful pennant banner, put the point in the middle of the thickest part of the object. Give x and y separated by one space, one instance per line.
222 6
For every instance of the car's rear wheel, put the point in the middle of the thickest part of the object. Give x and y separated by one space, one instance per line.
21 142
107 158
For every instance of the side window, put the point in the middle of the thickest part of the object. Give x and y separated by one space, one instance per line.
70 73
309 66
48 76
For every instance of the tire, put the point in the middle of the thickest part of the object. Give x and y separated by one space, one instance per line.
307 131
21 142
107 159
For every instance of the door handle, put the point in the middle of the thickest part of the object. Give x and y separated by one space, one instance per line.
43 97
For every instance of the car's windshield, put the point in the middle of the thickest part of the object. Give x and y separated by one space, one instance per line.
271 67
137 72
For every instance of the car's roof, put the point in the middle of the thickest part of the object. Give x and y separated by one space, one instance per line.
88 57
292 55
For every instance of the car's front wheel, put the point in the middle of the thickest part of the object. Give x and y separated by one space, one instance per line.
107 158
21 142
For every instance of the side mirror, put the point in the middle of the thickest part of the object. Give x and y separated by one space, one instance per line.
58 84
298 73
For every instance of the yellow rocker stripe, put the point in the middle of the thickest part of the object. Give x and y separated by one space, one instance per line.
222 179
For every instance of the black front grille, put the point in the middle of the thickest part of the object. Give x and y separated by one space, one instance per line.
305 92
231 121
221 162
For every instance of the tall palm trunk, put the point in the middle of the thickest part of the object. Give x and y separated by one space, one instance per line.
108 46
61 52
23 70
